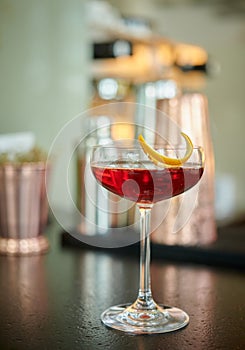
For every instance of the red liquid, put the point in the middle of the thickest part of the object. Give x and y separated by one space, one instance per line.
142 185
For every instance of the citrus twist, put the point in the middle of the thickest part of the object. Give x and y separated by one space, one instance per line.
162 160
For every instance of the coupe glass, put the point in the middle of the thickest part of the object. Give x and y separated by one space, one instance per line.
124 169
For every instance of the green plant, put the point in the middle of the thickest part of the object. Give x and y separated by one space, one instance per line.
36 154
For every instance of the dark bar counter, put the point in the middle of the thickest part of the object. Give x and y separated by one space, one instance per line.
54 301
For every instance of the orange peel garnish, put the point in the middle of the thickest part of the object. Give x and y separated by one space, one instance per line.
162 160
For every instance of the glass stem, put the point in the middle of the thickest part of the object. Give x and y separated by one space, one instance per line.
145 300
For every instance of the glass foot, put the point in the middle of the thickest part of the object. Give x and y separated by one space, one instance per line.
162 319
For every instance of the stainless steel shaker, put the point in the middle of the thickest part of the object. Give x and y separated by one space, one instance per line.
100 209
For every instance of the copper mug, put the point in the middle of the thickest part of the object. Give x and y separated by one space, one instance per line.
23 208
188 219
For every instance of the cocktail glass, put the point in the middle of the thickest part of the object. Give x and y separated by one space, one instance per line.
123 168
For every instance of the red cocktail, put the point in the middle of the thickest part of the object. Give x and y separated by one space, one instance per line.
146 185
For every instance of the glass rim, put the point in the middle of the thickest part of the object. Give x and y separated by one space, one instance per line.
139 147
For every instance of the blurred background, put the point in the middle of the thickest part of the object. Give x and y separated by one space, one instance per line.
48 65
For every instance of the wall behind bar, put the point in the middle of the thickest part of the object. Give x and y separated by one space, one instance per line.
43 67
